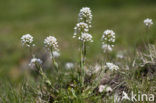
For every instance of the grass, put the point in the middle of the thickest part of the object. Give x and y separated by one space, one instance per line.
43 19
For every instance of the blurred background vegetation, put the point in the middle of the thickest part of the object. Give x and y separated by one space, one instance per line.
42 18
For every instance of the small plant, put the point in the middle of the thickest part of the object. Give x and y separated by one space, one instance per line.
148 23
82 83
82 31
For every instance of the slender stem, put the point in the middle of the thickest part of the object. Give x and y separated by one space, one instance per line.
107 58
147 33
44 77
83 57
84 52
53 60
82 66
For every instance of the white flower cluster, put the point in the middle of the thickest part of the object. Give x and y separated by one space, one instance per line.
34 61
27 40
105 88
55 54
112 66
148 22
86 37
108 39
85 15
107 47
69 65
82 28
51 42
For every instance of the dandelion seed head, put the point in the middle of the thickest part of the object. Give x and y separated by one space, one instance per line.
148 22
51 42
27 40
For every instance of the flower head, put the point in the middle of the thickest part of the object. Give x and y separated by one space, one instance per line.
109 89
112 66
106 47
86 37
69 65
148 22
35 61
108 37
55 54
27 40
101 88
80 28
85 15
51 42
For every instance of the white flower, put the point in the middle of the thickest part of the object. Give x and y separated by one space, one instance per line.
125 96
108 37
51 43
104 88
112 66
27 40
101 88
80 28
85 15
109 89
56 54
35 61
69 65
86 37
106 47
148 22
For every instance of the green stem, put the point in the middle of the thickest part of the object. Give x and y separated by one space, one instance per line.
53 60
147 33
107 57
44 77
82 64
